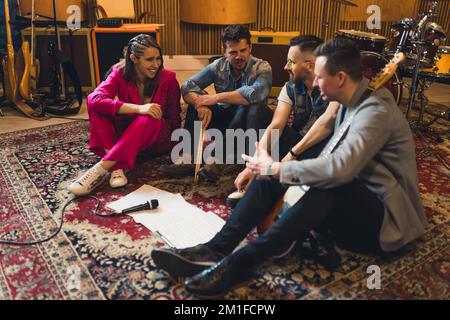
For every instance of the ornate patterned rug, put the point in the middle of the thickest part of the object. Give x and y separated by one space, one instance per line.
109 258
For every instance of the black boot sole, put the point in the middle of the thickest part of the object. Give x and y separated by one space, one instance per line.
177 266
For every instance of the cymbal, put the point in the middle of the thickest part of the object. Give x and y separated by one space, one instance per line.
346 2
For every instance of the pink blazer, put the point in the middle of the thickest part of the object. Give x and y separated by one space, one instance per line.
167 94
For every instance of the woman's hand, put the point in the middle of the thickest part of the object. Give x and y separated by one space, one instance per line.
205 115
244 178
151 109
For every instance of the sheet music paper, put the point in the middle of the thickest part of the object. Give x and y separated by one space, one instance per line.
176 221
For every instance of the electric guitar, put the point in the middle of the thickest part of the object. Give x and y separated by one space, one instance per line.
30 76
8 62
295 193
60 101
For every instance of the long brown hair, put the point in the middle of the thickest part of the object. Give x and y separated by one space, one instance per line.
137 46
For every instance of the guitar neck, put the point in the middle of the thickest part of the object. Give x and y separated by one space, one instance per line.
387 72
33 35
8 25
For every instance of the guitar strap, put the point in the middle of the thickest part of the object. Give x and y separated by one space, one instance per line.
331 147
334 143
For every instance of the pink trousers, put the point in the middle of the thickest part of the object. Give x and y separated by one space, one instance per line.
125 136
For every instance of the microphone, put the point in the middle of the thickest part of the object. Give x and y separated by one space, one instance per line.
149 205
421 23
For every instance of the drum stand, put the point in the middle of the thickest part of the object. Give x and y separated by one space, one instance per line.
420 126
420 84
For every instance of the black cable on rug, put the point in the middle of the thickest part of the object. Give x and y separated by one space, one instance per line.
30 243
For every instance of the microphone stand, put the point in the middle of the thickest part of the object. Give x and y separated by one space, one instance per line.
420 52
324 19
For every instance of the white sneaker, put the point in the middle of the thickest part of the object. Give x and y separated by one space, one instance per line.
118 179
88 181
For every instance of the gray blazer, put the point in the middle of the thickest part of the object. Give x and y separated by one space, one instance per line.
378 150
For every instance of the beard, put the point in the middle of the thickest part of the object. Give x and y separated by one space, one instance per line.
239 65
296 78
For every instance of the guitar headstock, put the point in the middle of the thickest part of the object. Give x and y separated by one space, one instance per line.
387 72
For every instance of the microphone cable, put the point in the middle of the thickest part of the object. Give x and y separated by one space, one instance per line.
61 222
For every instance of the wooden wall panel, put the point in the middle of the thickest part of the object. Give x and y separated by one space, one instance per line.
390 10
304 16
218 12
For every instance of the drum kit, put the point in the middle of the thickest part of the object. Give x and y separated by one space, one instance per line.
427 60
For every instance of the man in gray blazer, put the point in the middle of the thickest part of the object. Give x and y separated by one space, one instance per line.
363 188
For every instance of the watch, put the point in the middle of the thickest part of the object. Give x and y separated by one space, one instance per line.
292 153
269 170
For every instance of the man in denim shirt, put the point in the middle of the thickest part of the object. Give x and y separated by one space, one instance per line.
242 84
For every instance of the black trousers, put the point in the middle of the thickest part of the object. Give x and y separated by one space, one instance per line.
351 213
254 116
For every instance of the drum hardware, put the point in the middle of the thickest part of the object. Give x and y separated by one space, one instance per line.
365 41
420 126
420 45
443 115
405 36
325 11
420 80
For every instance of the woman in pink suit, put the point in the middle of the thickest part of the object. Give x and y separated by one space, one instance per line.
135 109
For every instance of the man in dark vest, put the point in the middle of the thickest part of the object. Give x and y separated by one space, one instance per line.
299 106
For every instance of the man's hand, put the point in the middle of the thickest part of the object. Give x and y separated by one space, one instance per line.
261 164
288 157
151 109
205 115
244 178
206 100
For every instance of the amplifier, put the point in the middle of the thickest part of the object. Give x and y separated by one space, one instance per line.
75 44
109 44
273 47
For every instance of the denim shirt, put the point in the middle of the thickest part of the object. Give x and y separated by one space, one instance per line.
254 84
305 108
